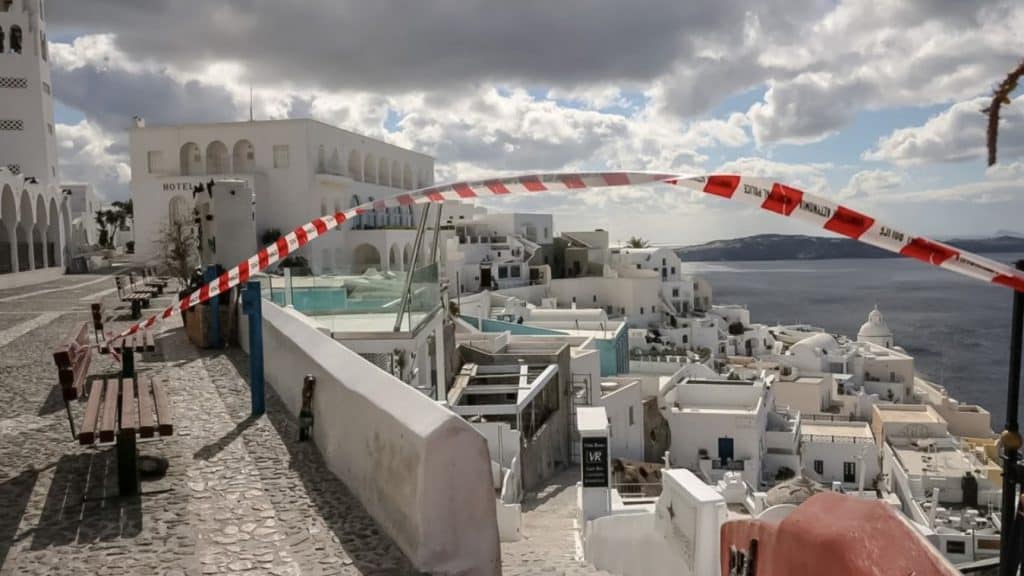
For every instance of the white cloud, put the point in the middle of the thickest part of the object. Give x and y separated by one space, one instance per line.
958 133
810 177
866 55
870 183
90 155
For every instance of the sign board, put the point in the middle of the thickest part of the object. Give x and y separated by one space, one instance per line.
595 462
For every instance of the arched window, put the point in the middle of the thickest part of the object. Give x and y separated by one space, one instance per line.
370 169
370 218
244 160
5 5
16 39
321 159
43 47
383 178
355 166
191 159
217 161
1 39
334 166
407 182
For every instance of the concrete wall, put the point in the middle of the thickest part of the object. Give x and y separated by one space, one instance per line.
679 538
834 455
421 471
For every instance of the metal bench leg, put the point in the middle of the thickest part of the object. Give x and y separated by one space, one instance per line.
71 420
127 362
128 480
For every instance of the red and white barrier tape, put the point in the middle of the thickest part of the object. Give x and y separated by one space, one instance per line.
767 194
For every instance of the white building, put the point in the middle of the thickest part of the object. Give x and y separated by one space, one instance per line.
838 451
34 216
294 170
84 204
717 426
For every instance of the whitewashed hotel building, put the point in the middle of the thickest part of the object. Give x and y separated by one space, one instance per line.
294 170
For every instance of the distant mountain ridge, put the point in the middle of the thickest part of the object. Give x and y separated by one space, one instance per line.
800 247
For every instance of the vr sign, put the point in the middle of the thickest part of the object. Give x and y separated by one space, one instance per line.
595 462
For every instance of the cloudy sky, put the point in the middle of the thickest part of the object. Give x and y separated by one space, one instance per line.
875 103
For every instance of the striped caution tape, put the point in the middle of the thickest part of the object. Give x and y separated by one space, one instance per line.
767 194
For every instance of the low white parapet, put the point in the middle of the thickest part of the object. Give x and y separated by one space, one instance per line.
422 472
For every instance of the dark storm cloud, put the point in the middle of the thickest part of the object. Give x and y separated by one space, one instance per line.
412 45
112 97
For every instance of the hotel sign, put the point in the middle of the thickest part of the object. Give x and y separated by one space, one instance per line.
595 462
179 186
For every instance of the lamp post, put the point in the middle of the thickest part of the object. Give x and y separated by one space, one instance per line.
1009 554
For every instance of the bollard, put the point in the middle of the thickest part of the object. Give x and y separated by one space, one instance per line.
215 339
252 306
306 414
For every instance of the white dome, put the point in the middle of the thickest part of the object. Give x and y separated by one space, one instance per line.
813 346
875 327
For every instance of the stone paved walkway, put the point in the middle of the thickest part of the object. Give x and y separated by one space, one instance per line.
240 496
548 545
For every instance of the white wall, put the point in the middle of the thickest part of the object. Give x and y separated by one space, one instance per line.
833 455
680 538
421 471
627 437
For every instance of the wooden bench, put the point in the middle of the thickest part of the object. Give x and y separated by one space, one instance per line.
137 300
72 357
121 410
150 278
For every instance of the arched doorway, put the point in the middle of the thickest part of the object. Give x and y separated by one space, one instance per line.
65 227
53 251
39 233
365 257
244 157
26 258
394 262
407 257
217 158
8 231
191 159
357 222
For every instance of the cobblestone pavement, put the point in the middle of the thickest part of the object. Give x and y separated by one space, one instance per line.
240 495
548 544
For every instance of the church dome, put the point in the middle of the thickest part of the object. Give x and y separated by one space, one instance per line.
875 327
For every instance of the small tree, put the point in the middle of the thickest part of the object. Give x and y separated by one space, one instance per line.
637 242
179 253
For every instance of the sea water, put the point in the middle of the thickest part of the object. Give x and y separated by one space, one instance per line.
957 329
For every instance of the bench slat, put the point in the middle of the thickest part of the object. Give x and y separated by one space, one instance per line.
163 409
64 354
109 418
129 407
146 407
87 435
77 388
